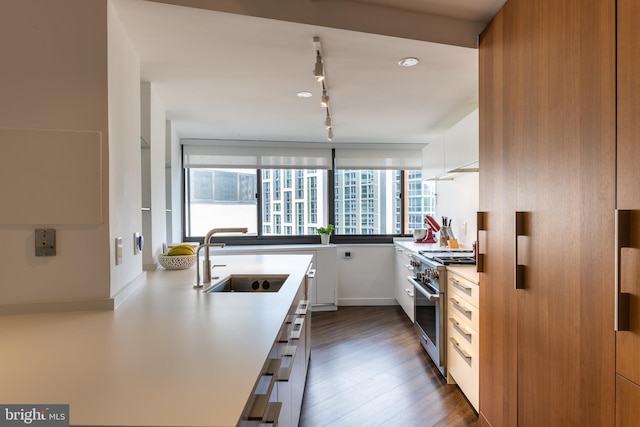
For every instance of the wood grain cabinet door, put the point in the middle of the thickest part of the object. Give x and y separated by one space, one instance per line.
497 377
628 198
547 149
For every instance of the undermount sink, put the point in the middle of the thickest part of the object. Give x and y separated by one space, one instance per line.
250 283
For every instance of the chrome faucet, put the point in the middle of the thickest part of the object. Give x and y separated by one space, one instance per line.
206 264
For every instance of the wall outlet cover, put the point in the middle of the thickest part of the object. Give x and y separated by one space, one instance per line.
45 242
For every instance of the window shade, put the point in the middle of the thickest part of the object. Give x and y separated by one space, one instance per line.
264 156
368 157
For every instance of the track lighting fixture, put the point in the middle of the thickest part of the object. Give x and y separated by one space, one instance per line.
318 70
320 76
324 101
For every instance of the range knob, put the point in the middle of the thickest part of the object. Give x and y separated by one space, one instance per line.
433 274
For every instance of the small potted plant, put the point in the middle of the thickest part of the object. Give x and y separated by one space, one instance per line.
325 233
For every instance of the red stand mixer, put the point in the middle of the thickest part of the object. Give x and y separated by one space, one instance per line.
432 226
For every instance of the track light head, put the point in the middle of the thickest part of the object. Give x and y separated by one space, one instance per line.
318 70
327 121
324 101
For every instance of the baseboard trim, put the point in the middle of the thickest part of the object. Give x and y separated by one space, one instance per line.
58 306
367 301
93 304
129 289
324 307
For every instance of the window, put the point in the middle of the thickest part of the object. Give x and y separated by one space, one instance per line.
284 192
220 198
367 201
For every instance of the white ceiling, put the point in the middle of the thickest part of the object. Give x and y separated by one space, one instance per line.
225 75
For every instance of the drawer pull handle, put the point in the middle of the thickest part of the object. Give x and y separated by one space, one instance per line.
409 267
285 332
289 354
460 329
456 345
312 273
460 286
298 327
302 307
409 292
262 391
460 308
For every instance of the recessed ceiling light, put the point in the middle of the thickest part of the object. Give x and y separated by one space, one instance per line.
408 62
304 94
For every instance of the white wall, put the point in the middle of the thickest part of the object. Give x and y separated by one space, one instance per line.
54 76
458 200
124 154
174 182
153 130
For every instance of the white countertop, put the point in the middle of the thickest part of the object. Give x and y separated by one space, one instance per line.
168 356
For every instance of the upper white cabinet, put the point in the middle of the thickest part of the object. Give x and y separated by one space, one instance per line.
433 159
461 143
455 151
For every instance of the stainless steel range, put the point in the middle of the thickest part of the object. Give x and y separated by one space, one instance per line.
430 302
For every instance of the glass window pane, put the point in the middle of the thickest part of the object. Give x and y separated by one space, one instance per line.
367 201
296 195
220 198
421 200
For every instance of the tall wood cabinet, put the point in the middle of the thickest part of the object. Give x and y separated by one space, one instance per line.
628 198
547 187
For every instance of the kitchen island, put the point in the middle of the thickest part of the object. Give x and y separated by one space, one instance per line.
170 355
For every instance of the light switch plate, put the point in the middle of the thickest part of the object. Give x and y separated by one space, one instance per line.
45 242
118 250
136 243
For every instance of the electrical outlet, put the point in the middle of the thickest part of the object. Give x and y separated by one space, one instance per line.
118 250
347 254
45 242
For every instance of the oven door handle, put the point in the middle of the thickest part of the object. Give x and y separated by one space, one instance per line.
418 287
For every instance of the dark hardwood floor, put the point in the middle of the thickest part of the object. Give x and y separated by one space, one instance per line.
368 369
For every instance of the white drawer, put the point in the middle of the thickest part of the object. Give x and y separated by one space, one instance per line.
464 287
463 369
460 308
404 297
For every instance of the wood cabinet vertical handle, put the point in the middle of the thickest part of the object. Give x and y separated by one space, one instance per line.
481 226
519 269
622 240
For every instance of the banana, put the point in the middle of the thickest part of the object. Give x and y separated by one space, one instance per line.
182 249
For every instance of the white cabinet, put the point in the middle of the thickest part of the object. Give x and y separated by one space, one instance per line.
433 159
461 143
463 338
277 395
403 289
457 150
326 280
